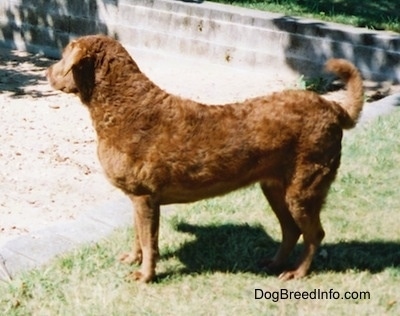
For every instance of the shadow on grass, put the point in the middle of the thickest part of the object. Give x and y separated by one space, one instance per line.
370 256
226 248
239 248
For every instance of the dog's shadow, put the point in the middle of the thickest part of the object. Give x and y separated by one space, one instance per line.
240 249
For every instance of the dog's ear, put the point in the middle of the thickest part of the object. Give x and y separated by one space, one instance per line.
72 55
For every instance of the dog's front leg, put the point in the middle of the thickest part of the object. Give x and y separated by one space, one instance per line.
136 256
147 220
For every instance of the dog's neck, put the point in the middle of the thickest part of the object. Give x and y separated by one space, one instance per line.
123 102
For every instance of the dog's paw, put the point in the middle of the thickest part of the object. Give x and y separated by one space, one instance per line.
291 275
270 266
130 258
138 276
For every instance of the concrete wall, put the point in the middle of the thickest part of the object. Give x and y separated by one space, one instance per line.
222 34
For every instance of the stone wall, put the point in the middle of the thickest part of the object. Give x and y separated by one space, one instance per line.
219 33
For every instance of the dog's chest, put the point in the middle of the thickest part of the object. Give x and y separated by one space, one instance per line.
116 165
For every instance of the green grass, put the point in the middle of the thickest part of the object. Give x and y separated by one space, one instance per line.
376 15
209 252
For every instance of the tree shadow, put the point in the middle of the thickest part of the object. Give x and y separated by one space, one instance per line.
21 74
49 24
370 14
44 27
240 248
309 46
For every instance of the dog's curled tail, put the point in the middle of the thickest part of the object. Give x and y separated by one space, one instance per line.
355 92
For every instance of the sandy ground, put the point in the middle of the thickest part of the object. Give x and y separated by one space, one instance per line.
48 166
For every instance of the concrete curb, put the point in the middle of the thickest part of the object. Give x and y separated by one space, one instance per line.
379 108
37 248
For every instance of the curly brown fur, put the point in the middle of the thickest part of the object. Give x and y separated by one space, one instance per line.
159 148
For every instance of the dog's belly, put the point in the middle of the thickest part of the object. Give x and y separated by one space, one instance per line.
185 192
173 195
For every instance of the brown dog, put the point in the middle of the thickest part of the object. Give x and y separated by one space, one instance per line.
159 148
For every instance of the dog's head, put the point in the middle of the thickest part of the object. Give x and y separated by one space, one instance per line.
74 73
94 63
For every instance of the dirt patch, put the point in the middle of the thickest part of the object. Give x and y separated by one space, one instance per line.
48 169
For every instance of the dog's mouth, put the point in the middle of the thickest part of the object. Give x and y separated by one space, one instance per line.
59 82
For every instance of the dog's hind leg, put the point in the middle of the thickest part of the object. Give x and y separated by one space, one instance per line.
147 222
305 197
275 191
